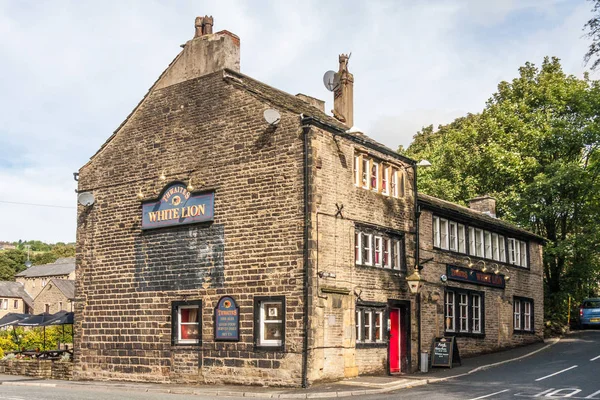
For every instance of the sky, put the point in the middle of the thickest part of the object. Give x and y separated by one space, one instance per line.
73 70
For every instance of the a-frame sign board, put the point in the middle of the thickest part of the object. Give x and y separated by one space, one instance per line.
445 352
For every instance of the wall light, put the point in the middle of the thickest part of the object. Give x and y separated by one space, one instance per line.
162 176
140 195
190 187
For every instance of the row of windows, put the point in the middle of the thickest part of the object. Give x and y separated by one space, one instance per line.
4 304
369 325
379 177
378 250
269 322
465 312
450 235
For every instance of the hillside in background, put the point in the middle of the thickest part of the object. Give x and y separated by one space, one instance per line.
13 255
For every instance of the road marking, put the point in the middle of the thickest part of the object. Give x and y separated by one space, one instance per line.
490 395
592 396
544 392
594 359
556 373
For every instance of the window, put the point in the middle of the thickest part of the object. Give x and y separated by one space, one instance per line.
448 235
487 243
357 161
450 323
464 311
60 306
517 252
47 308
269 328
453 242
375 248
185 322
444 234
495 252
502 248
378 251
479 243
385 181
523 315
16 304
436 232
369 324
394 182
5 304
402 183
387 250
461 239
375 176
367 253
365 173
44 282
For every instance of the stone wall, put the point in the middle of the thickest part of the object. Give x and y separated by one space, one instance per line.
52 296
214 133
498 328
46 369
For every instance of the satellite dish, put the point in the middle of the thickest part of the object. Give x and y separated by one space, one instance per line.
331 80
86 199
272 116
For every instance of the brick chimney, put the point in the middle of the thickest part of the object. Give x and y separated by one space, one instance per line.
343 94
484 204
207 52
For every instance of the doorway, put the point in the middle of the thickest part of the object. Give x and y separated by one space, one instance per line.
398 348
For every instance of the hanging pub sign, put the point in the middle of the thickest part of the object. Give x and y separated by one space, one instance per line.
463 274
177 206
227 320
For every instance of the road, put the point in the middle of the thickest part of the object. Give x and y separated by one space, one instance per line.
568 370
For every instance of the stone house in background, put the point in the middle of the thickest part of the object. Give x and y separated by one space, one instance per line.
35 278
239 234
57 295
14 299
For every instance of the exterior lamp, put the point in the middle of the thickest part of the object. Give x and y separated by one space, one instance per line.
469 262
140 195
414 281
484 267
496 269
190 187
162 176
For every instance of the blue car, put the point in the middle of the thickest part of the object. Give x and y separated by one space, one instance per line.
589 313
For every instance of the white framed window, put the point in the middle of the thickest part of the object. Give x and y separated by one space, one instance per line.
399 255
367 248
374 176
16 304
186 324
502 248
487 242
357 181
359 330
5 304
527 315
517 314
471 241
463 312
378 326
368 323
44 282
394 182
385 181
444 234
452 236
402 183
479 242
476 307
523 246
387 253
357 251
378 251
365 173
461 239
495 252
436 231
517 251
270 322
450 321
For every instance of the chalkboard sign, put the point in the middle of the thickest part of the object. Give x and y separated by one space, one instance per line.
227 320
445 352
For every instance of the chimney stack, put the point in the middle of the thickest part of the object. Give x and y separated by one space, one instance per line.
206 53
484 204
343 94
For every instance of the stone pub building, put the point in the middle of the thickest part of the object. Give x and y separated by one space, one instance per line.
240 234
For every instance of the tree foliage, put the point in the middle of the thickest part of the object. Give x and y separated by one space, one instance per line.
535 148
13 261
593 32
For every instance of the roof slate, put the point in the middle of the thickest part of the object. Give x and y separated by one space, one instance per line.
15 289
446 206
62 266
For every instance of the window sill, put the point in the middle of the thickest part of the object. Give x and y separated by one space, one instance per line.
370 345
397 271
466 334
178 345
523 332
263 348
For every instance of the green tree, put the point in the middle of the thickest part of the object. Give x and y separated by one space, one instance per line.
593 32
534 148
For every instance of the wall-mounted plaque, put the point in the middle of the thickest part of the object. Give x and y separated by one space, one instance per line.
227 320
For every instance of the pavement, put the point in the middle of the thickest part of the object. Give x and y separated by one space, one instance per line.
360 386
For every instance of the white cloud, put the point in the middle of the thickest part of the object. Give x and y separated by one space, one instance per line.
73 70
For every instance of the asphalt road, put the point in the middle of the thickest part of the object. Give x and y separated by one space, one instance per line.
568 370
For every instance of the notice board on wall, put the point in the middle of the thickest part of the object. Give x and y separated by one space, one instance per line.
445 352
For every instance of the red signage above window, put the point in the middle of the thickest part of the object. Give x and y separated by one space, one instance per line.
474 276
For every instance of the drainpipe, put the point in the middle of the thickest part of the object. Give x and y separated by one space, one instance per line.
417 265
306 255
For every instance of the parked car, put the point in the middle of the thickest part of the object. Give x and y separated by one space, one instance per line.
589 313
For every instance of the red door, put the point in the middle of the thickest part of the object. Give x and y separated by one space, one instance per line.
395 340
